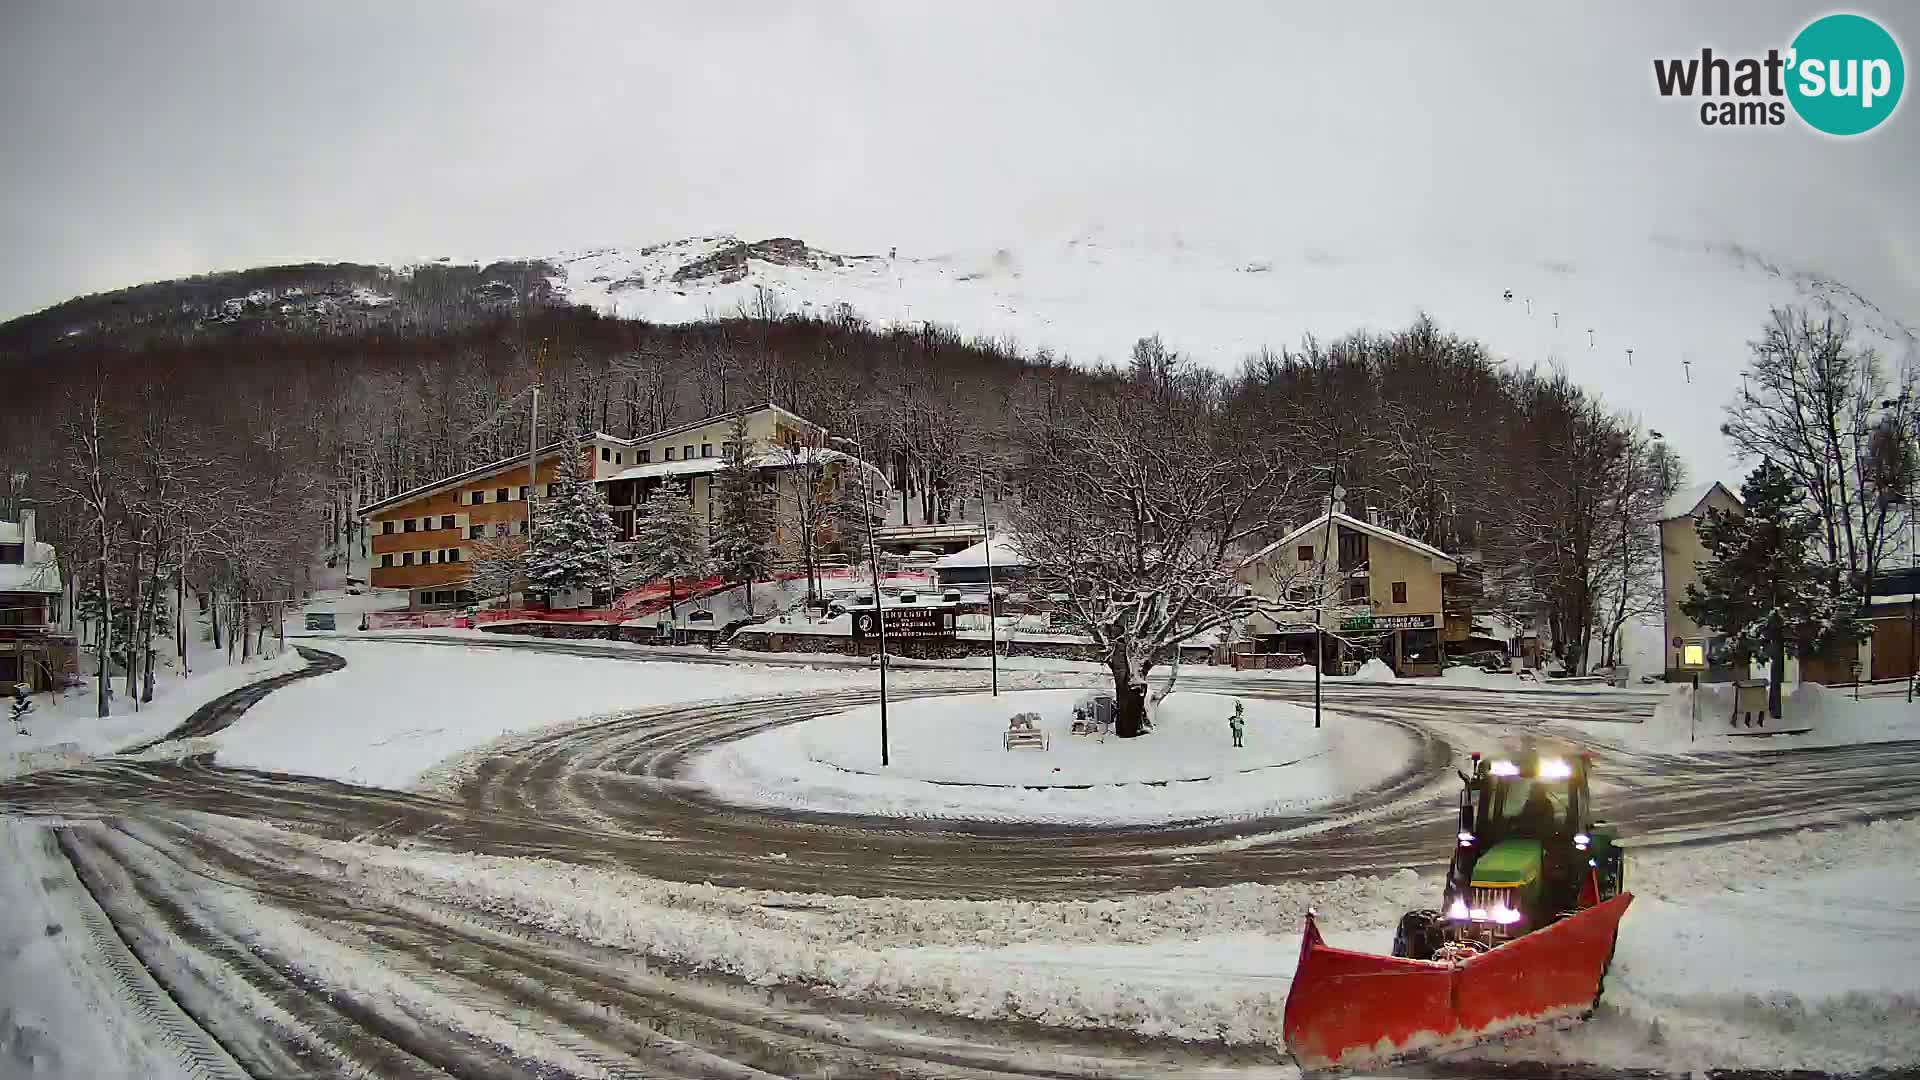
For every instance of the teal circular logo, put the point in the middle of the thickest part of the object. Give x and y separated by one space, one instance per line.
1846 74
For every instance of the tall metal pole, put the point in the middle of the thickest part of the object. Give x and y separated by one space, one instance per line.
533 449
873 557
993 621
1320 653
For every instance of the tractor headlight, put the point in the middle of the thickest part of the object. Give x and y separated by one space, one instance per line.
1457 911
1503 915
1504 768
1555 769
1466 839
1581 840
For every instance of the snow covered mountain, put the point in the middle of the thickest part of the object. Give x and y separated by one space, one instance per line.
1685 308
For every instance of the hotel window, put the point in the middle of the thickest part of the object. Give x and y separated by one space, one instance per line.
499 528
446 521
387 559
475 532
669 453
455 554
1356 590
686 452
643 457
523 493
479 497
406 558
409 525
706 449
1399 592
386 528
520 526
620 457
1305 553
501 495
606 454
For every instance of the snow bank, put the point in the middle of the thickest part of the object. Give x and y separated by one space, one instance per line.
397 708
1376 670
949 760
68 732
1835 717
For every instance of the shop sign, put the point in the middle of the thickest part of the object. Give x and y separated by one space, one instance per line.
906 622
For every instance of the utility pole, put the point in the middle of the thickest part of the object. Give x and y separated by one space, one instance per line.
1320 652
873 557
533 453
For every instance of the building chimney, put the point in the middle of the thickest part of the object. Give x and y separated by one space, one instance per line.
26 532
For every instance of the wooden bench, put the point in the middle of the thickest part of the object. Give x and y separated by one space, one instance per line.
1024 730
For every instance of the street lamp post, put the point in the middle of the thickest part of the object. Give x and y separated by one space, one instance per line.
873 556
993 620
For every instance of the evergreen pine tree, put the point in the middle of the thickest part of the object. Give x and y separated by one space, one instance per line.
666 540
742 541
572 537
1763 587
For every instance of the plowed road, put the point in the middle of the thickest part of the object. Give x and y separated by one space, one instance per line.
270 954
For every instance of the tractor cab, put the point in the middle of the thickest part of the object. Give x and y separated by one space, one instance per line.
1527 849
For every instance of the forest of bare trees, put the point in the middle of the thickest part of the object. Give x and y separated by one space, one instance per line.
231 461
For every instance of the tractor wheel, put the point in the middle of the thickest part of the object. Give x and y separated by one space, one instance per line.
1418 935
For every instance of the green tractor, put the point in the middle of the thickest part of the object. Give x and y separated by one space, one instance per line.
1529 852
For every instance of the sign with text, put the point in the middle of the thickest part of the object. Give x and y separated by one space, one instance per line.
906 622
1370 621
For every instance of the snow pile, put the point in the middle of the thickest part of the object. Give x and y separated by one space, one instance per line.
397 709
1681 724
68 731
948 759
1376 670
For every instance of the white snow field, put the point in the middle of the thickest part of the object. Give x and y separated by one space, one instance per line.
1796 951
398 709
1682 724
1090 294
948 759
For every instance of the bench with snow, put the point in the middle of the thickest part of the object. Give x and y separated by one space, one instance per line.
1024 730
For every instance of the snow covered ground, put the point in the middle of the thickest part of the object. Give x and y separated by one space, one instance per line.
70 730
398 709
1788 952
63 1012
1681 725
948 760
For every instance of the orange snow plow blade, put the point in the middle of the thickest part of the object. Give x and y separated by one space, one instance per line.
1349 1009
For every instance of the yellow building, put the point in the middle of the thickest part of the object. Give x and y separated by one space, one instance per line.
1681 554
1376 589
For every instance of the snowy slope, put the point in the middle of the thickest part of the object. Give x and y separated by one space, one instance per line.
1685 306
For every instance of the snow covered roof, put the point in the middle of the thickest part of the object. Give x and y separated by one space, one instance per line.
39 574
747 411
1006 552
1687 501
457 479
1348 521
778 459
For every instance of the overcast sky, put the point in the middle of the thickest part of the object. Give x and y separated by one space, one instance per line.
158 138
